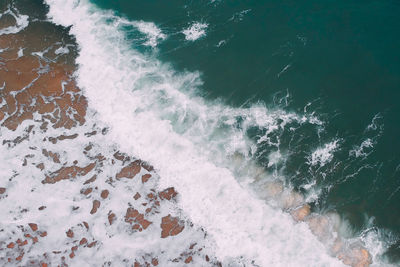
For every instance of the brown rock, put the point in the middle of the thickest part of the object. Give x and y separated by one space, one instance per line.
168 193
20 243
40 166
69 107
133 216
91 179
2 190
11 245
137 196
356 257
111 217
104 194
70 233
188 260
131 213
68 173
19 258
121 156
54 156
87 191
96 205
171 226
154 261
301 213
92 244
145 223
66 137
129 171
83 241
33 226
147 167
43 234
146 177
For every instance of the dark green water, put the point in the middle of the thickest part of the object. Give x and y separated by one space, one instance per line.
341 58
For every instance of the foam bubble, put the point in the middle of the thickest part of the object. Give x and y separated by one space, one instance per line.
376 123
195 31
152 32
239 16
324 154
221 43
362 150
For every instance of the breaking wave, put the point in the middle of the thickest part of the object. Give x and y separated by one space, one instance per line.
208 151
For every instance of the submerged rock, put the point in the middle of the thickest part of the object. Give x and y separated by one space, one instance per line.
301 213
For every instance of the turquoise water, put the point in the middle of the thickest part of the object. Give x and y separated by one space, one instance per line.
338 60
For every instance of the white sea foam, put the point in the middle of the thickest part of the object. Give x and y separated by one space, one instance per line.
221 43
154 115
376 123
323 155
116 244
238 16
195 31
152 32
20 52
21 22
364 149
274 158
61 51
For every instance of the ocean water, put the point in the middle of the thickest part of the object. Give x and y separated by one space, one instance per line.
335 60
251 109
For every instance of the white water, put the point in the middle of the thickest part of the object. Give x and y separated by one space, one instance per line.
153 34
21 22
324 154
195 31
360 151
154 114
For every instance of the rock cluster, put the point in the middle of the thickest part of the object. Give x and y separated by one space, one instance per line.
71 197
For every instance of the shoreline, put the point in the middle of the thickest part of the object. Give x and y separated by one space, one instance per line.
44 105
44 114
